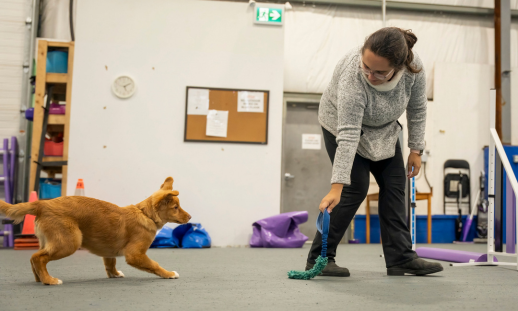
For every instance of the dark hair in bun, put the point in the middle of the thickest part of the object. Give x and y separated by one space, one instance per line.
394 44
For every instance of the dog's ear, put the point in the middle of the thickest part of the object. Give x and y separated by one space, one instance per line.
161 196
167 197
168 184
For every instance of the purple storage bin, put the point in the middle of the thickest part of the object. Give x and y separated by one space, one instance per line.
57 109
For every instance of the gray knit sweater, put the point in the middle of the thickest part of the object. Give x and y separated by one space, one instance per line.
364 118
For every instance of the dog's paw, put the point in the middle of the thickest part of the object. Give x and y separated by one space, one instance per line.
53 281
172 275
118 275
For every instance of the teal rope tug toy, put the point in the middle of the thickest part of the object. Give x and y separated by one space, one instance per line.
321 262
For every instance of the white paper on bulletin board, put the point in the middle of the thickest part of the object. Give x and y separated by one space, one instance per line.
312 141
250 101
198 102
217 123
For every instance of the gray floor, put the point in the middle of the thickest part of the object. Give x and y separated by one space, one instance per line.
252 279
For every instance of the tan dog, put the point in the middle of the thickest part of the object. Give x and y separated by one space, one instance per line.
67 223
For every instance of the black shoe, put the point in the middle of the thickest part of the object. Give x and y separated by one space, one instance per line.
332 269
417 266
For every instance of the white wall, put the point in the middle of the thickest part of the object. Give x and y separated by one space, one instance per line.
12 47
317 37
124 149
461 122
55 19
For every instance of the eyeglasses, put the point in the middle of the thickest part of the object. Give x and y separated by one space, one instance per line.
376 74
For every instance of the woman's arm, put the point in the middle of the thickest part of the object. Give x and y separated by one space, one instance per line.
350 105
416 118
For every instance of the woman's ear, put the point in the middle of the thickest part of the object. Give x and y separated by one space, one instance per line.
168 184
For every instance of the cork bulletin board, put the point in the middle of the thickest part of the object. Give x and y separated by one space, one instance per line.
226 115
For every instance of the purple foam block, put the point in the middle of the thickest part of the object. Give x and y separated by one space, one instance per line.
279 231
451 255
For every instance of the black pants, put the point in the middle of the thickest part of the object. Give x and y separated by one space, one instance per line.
391 177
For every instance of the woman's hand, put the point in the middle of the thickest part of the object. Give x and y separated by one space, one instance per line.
332 198
414 160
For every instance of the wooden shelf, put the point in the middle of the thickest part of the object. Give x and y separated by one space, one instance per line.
57 78
58 44
57 119
62 85
53 159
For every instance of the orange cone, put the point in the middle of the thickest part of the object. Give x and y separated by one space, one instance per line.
28 239
80 188
28 223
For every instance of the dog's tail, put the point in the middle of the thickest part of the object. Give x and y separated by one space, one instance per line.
17 212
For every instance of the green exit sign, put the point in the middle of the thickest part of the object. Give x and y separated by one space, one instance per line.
269 15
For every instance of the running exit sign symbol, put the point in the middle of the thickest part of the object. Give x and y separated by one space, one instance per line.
269 15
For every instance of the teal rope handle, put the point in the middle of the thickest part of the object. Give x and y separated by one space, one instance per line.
321 262
323 221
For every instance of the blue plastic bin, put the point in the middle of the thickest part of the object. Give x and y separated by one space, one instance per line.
57 62
443 228
50 188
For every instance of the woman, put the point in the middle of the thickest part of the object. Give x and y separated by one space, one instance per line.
371 88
